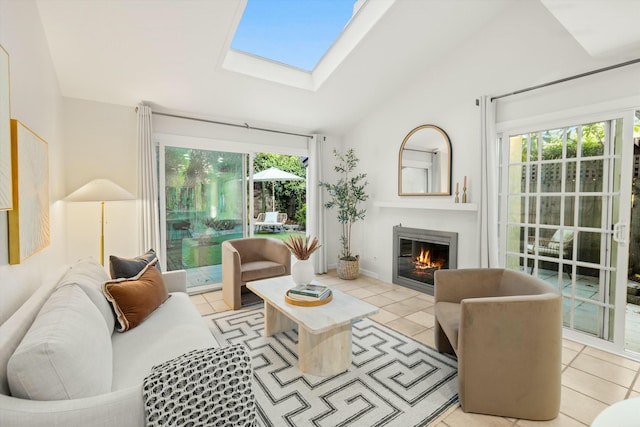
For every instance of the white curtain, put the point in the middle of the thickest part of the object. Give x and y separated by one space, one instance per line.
149 222
315 202
488 222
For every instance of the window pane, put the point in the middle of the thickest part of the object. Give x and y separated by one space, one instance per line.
516 209
593 139
533 178
552 142
570 177
516 179
514 239
204 206
588 284
569 210
591 174
590 211
572 142
517 149
551 177
589 245
550 210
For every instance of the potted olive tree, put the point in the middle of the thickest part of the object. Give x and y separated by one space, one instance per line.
345 195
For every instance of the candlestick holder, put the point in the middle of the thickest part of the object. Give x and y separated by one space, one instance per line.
457 199
464 194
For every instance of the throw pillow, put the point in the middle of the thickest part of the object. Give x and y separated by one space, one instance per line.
130 267
271 217
66 353
136 298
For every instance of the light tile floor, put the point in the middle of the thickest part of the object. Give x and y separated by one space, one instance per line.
591 379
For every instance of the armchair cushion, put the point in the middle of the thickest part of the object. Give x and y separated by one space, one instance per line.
257 270
449 315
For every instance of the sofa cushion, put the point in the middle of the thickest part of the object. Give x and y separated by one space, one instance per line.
89 274
173 329
135 298
448 315
66 354
130 267
257 270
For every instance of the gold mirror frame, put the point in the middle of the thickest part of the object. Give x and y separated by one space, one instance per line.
416 162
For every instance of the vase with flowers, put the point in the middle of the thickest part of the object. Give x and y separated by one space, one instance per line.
302 247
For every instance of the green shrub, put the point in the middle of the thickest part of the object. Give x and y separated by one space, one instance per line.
301 216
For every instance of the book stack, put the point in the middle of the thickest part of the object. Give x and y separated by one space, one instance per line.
309 292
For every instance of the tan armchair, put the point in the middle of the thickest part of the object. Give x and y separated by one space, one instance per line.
506 329
244 260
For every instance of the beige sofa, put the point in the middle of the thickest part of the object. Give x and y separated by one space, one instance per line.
99 371
244 260
506 329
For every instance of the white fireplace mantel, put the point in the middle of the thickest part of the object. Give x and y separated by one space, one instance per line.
427 205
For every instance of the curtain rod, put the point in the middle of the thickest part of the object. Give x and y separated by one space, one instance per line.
566 79
244 126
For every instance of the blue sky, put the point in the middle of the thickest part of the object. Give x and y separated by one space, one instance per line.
294 32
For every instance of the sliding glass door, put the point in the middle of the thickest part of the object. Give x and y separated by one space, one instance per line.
203 203
566 217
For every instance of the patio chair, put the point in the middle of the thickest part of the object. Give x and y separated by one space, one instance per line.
273 221
550 247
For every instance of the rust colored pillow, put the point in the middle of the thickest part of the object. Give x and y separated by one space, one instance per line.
136 298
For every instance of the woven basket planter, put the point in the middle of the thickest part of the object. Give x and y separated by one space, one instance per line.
348 270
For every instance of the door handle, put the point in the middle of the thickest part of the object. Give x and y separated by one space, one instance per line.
620 233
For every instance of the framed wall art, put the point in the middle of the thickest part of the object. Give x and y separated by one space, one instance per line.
29 219
6 200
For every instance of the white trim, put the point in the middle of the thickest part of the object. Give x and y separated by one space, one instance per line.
583 114
215 144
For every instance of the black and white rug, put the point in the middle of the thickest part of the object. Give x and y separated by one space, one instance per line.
393 380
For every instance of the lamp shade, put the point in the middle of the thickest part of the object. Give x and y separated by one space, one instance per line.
99 190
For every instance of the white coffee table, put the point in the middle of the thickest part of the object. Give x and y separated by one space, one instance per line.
324 332
620 414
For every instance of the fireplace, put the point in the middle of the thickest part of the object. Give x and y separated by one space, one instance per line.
419 253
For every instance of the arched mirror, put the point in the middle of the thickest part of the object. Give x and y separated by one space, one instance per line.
424 165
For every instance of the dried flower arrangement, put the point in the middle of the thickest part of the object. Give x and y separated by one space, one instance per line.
302 246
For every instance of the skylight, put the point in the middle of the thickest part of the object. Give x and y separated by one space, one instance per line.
294 32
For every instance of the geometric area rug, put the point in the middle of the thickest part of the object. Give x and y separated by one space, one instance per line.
393 380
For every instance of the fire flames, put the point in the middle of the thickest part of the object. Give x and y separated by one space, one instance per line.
424 261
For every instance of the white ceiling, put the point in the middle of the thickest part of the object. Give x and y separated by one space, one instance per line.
170 53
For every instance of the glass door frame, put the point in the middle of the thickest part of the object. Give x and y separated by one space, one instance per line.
196 144
621 213
248 149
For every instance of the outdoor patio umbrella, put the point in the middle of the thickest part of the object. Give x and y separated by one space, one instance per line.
272 175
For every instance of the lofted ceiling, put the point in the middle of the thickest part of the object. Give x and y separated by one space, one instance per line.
173 55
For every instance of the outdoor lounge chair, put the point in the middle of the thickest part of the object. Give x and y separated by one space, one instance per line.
551 247
272 221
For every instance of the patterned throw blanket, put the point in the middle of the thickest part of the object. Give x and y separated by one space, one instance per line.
210 387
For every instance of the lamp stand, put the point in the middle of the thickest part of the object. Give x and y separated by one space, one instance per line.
102 235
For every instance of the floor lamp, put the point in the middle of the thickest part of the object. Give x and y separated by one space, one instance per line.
100 190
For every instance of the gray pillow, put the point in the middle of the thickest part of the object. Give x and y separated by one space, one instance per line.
125 268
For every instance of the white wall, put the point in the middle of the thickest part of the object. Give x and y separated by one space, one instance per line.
100 142
35 101
524 46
